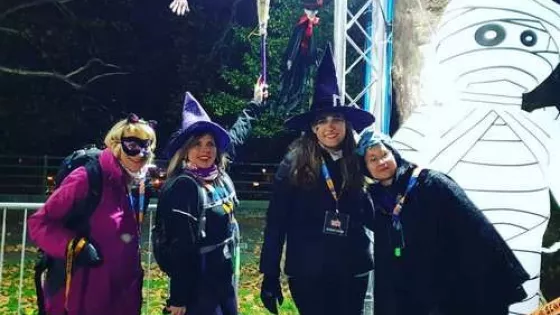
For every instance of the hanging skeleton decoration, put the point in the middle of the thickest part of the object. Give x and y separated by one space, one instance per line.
179 7
491 52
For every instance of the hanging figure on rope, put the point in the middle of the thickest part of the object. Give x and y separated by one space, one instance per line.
299 57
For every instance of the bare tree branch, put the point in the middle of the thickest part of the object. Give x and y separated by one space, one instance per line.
29 5
67 78
10 31
101 76
89 64
44 74
65 10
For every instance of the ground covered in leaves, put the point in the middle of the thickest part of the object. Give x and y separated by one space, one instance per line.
155 283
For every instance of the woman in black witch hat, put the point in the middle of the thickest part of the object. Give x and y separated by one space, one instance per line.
318 208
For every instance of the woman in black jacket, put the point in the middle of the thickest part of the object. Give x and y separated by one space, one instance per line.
195 232
435 252
317 210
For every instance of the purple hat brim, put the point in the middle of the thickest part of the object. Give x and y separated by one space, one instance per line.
179 138
359 119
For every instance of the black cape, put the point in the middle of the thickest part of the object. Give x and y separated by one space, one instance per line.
453 262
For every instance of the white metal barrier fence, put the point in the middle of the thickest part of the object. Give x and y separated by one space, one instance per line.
25 209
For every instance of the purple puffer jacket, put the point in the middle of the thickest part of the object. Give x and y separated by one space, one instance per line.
115 287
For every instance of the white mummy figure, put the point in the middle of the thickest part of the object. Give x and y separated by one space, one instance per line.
487 53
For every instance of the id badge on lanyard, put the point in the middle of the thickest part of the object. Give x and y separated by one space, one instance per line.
336 223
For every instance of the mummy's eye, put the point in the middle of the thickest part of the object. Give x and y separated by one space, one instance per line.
490 35
528 38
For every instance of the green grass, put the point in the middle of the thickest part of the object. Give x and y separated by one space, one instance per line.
155 282
156 285
154 293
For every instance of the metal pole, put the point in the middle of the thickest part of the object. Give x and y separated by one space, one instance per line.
2 243
22 260
340 13
45 167
388 65
380 50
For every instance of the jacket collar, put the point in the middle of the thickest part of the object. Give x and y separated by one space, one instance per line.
111 167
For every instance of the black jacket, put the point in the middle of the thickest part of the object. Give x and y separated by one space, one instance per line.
454 262
296 216
179 210
179 207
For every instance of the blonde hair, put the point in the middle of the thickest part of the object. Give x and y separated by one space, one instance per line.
114 136
176 162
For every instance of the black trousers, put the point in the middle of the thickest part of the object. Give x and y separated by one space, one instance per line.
340 295
215 300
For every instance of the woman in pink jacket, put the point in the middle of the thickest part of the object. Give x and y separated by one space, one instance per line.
105 275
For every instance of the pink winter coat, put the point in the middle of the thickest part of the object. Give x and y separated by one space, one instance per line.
115 287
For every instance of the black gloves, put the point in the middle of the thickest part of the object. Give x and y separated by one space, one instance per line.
88 255
271 292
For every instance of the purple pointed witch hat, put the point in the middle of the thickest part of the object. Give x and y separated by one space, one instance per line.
196 121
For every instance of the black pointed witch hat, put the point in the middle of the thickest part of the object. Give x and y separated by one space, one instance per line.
326 100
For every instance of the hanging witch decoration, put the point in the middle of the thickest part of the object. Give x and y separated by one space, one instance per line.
300 55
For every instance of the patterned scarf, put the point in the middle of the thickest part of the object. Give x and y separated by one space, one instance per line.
205 174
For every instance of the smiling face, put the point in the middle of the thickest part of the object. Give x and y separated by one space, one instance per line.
202 152
381 164
330 130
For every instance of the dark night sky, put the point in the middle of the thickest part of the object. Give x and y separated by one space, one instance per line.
147 41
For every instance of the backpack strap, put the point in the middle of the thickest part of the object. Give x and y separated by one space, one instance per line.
230 188
203 192
90 203
203 198
202 201
209 248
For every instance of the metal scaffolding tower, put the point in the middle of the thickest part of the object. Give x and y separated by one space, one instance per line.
363 52
363 37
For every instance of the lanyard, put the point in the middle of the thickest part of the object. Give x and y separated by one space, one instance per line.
330 183
395 215
138 211
400 200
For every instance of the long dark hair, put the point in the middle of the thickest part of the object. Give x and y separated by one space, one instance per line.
306 166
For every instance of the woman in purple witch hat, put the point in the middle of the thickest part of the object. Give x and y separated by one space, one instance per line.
319 209
195 232
94 268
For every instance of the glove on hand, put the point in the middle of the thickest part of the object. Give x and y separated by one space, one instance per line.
271 293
